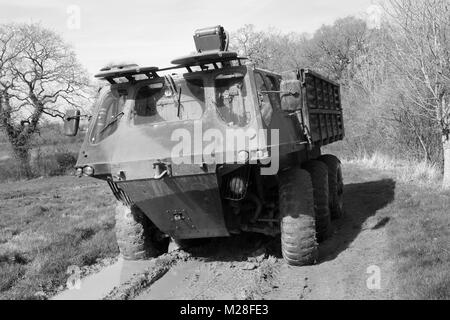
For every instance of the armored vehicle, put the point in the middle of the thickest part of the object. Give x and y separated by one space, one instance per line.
213 146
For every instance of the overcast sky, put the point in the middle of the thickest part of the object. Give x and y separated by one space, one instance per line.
154 32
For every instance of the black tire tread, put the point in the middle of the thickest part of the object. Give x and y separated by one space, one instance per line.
132 234
319 175
298 231
335 183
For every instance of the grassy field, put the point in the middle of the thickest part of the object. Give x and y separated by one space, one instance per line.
47 225
420 241
418 224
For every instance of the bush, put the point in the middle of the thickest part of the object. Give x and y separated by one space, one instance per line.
52 134
53 162
66 160
45 161
9 170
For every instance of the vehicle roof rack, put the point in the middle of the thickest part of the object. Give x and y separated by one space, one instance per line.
126 71
204 58
218 59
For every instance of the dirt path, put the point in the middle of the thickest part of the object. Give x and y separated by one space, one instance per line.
358 247
250 266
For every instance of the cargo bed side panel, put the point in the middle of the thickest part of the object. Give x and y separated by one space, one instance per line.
323 100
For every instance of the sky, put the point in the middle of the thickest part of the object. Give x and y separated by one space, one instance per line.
152 33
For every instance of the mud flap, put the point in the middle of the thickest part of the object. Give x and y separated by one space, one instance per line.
187 207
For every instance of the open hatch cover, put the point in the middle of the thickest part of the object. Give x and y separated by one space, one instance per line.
205 58
126 71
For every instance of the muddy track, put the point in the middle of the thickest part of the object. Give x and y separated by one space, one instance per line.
251 267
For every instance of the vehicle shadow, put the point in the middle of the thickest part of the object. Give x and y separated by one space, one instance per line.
236 248
361 201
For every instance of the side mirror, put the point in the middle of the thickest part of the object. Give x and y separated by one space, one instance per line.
290 95
72 122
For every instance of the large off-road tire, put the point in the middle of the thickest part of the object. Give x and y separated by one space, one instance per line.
319 175
298 228
133 234
335 185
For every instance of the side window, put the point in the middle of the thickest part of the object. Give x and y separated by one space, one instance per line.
110 109
231 95
274 86
265 104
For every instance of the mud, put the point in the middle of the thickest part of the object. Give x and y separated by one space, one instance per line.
248 267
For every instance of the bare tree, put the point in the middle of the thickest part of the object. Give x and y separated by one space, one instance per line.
252 44
336 49
39 76
270 49
421 56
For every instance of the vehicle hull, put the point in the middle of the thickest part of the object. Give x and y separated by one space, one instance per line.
184 207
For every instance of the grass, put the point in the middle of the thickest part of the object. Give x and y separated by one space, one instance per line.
47 225
418 173
4 151
419 239
419 227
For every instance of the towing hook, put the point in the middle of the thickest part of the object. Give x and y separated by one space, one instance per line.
161 175
161 170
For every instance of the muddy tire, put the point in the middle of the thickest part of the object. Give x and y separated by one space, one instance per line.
335 185
133 234
298 228
319 176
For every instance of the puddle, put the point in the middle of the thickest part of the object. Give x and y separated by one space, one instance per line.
170 287
97 286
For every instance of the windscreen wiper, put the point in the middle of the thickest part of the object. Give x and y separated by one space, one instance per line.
112 121
179 104
173 87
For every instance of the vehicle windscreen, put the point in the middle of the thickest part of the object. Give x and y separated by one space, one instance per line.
110 109
231 99
169 101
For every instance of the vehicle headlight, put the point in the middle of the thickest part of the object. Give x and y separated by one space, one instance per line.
89 171
168 93
242 156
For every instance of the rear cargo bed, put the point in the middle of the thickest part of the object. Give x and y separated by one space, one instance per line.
323 101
